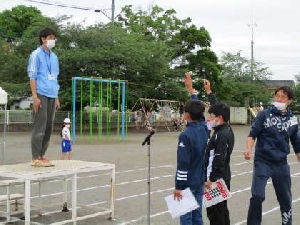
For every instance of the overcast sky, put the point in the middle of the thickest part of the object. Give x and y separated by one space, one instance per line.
276 36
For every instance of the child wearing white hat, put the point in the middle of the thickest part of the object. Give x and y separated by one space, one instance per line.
66 147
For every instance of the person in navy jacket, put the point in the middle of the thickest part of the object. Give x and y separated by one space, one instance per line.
218 151
272 129
190 159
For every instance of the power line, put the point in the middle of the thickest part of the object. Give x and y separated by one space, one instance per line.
63 5
59 4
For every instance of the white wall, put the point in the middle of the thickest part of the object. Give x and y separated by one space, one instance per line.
238 115
23 104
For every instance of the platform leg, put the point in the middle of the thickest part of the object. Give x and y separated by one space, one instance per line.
112 194
74 198
65 196
27 202
8 203
40 198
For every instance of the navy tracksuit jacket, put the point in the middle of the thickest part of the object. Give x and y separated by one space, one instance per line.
273 131
190 156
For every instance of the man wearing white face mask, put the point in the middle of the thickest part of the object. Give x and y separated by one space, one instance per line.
43 71
66 147
272 130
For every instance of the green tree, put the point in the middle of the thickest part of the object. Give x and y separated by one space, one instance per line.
30 37
296 103
239 68
238 88
19 32
14 22
111 53
188 47
158 24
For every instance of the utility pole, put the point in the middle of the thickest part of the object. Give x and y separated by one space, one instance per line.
113 11
252 25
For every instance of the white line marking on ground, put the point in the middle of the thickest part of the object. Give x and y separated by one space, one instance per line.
144 217
122 183
295 174
237 156
267 212
232 193
241 173
239 164
105 186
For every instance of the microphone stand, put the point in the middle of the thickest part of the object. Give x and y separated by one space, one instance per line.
148 141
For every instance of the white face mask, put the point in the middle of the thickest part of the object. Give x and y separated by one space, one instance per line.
213 123
50 44
68 125
279 105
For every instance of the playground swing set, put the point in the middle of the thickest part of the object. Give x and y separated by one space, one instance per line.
168 111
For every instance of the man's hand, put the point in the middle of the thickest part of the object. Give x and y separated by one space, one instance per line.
248 154
36 103
298 156
189 82
177 195
57 104
208 184
206 85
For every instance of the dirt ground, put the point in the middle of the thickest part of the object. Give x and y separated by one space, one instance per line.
131 161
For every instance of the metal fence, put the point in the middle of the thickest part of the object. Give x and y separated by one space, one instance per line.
238 116
26 116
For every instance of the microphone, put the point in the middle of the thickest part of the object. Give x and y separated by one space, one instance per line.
147 139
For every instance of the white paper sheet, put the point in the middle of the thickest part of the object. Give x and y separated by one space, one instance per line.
185 205
218 193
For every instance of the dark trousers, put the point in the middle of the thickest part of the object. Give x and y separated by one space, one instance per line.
219 214
42 127
281 179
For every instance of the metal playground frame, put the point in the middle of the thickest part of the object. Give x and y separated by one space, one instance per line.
102 101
